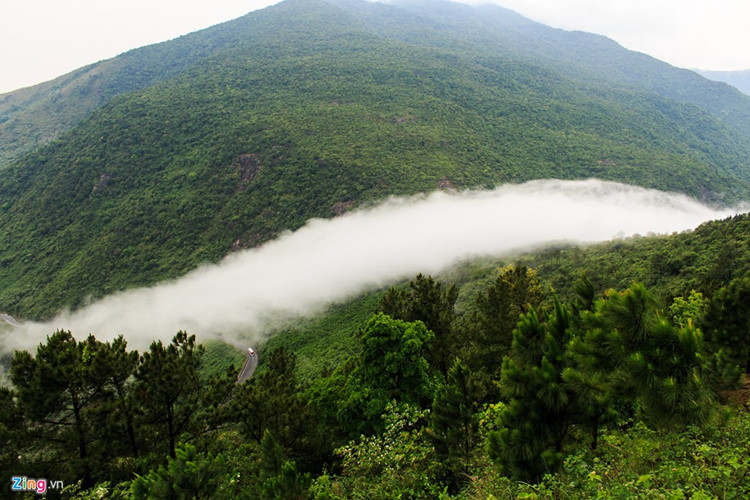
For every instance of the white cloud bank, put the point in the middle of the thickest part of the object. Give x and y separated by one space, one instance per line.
330 260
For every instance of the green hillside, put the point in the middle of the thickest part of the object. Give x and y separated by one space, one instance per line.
582 57
226 137
583 393
34 116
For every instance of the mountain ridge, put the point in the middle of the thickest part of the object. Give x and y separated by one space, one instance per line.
738 79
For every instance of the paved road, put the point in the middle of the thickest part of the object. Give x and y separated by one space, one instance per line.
9 319
251 361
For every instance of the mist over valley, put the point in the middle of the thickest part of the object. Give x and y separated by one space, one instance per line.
326 261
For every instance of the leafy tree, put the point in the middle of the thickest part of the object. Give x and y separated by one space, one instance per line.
399 462
392 366
684 310
727 322
428 301
167 387
327 397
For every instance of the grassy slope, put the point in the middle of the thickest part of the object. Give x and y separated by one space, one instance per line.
326 341
219 357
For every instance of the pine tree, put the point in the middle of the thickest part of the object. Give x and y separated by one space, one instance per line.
167 386
539 414
453 425
11 430
112 365
56 392
488 334
189 474
633 352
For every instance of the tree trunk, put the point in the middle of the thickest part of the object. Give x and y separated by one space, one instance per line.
595 435
82 453
170 430
128 418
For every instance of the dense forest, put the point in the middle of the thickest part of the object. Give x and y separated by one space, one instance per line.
506 381
311 108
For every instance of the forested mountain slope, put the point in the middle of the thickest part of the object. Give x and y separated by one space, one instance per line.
33 116
584 57
223 138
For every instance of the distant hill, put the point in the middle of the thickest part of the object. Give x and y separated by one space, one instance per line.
737 79
142 167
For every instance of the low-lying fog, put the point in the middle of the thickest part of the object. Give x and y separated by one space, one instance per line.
326 261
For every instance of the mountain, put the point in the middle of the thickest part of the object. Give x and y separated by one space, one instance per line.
737 79
140 168
34 116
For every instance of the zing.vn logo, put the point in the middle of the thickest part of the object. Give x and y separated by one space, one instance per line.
38 486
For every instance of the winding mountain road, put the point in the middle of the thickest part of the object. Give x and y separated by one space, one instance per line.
9 319
251 360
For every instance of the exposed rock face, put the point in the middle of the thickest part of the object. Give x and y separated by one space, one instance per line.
236 246
102 184
400 120
341 207
249 165
445 185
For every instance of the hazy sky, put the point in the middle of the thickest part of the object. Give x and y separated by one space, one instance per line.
42 39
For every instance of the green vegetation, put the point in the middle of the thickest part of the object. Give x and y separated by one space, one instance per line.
598 393
490 297
606 371
308 109
219 358
327 340
450 426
